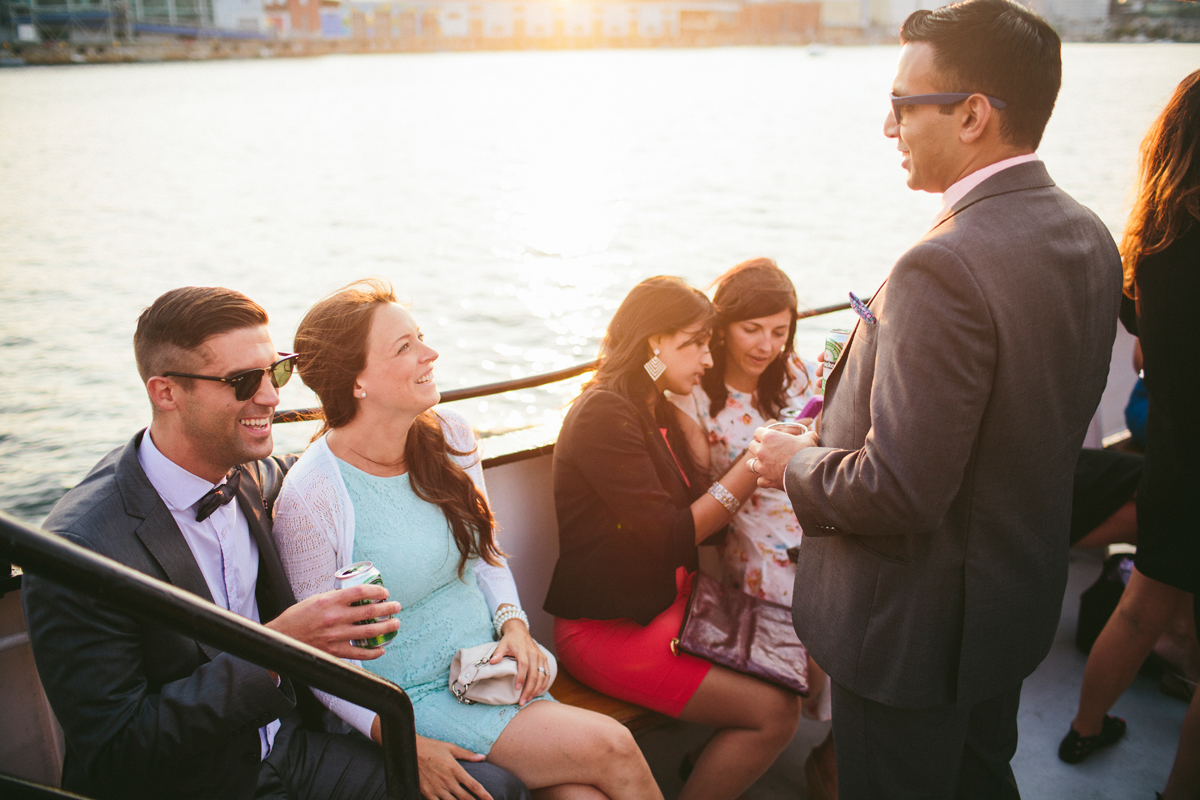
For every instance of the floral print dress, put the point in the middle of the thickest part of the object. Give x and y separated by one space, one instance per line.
754 554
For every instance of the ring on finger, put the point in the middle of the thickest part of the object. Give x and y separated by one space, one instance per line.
543 670
751 464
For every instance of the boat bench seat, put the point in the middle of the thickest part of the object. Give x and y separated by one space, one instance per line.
570 691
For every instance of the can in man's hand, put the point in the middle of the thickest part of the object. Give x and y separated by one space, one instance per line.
357 574
835 342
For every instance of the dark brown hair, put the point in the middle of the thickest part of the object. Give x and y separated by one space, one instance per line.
332 346
170 330
998 48
657 306
1168 194
753 289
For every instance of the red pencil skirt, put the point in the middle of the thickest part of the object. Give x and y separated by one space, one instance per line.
634 663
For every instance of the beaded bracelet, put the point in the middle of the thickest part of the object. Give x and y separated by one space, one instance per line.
512 612
724 497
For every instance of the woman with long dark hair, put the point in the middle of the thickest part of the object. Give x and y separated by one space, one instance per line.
391 481
632 506
755 376
1161 253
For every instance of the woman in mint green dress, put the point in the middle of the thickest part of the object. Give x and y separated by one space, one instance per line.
397 484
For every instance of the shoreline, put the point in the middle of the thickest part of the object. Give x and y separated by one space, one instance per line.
1132 30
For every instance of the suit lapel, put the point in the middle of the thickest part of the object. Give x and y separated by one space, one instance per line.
839 367
664 456
158 531
272 588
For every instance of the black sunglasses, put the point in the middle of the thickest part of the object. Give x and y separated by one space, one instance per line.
245 384
942 99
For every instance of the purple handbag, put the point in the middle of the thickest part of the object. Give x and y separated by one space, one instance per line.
743 633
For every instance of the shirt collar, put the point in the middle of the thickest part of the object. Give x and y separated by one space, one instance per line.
963 186
178 488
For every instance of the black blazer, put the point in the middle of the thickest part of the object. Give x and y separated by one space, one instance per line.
149 713
624 516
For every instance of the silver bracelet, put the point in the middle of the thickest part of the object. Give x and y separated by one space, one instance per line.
724 497
512 612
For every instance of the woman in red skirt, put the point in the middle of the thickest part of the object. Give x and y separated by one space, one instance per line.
632 508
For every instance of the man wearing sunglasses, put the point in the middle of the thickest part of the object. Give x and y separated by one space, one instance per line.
936 503
149 713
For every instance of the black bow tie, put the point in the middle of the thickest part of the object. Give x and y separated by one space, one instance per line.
219 495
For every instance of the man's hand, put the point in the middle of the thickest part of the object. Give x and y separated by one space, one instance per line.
326 621
772 450
441 776
439 772
531 661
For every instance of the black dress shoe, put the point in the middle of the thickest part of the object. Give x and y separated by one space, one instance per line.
1076 748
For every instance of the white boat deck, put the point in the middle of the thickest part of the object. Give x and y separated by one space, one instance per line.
1135 768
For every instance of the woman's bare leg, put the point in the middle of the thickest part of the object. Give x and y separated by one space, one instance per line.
550 744
816 685
569 791
1121 527
1184 783
1143 613
755 722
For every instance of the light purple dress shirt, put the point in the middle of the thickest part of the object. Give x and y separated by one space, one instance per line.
222 545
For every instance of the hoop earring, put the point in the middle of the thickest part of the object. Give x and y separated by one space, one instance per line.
655 367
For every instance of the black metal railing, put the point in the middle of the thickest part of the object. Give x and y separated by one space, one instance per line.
59 560
500 387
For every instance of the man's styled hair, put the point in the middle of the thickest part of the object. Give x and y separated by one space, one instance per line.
183 319
998 48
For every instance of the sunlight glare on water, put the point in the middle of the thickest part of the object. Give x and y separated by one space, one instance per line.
513 198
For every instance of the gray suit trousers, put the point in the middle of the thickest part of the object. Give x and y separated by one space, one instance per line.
308 765
939 753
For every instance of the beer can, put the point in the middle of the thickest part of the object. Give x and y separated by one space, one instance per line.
357 574
835 341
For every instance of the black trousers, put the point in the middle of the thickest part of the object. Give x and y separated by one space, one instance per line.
308 765
935 753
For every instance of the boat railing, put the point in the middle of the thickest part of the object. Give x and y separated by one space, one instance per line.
530 382
54 558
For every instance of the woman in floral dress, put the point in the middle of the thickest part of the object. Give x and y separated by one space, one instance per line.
755 376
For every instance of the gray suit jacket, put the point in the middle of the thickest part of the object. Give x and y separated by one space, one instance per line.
936 511
149 713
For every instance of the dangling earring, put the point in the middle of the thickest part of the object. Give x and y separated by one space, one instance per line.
655 366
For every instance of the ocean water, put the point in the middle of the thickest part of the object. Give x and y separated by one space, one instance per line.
513 198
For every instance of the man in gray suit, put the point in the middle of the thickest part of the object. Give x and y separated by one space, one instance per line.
936 501
150 713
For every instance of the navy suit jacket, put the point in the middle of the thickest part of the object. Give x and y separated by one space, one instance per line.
147 712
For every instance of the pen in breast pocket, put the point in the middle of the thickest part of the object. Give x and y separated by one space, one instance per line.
861 309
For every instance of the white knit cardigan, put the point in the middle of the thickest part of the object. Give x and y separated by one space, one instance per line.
314 532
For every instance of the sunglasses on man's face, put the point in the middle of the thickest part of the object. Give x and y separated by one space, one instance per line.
941 99
245 384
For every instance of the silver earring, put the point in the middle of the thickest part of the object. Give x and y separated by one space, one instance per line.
655 366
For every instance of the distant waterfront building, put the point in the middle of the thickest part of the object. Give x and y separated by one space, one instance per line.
881 19
572 23
246 16
293 18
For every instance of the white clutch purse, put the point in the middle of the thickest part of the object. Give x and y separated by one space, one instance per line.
474 680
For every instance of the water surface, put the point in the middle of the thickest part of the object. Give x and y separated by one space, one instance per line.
513 197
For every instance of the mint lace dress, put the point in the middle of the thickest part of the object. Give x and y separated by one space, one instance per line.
411 544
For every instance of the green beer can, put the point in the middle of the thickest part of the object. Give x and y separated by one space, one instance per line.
357 574
835 342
